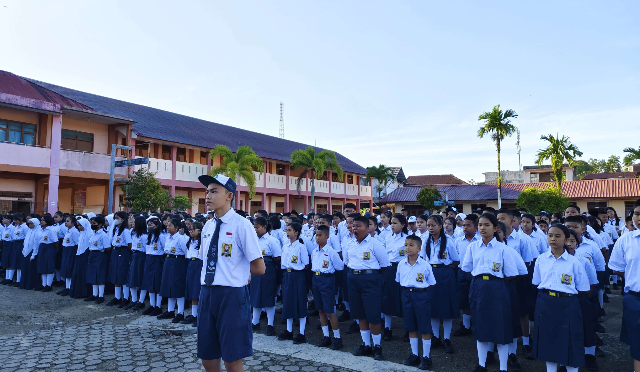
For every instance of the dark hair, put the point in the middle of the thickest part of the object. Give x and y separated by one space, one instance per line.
175 221
491 217
156 233
532 218
574 207
629 218
636 204
8 217
452 220
423 217
415 239
350 205
443 238
48 219
275 222
262 222
140 226
99 219
339 215
543 222
123 224
262 213
59 213
490 210
578 238
564 229
502 228
508 212
362 219
595 224
297 227
403 221
354 215
327 217
75 222
522 210
473 218
196 226
324 229
516 214
577 219
375 221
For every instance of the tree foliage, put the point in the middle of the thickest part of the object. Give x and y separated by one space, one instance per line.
632 156
558 151
594 166
535 200
144 193
242 163
181 203
427 198
383 174
314 164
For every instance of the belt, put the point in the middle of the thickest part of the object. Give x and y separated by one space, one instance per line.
175 255
486 277
633 293
322 274
267 258
440 265
361 272
293 270
557 294
393 264
413 289
195 258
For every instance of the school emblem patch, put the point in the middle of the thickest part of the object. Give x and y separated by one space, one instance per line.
496 267
118 240
139 245
18 233
294 259
95 244
588 258
6 236
226 250
173 250
401 253
566 279
420 277
325 264
46 238
263 253
366 256
155 247
68 240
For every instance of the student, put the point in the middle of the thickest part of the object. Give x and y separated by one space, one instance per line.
614 220
70 248
374 229
343 230
194 268
412 224
606 226
384 226
174 271
346 243
489 263
231 255
136 268
19 234
120 259
99 246
79 287
528 227
470 235
457 232
558 334
61 230
415 276
366 258
325 262
28 273
449 224
46 252
7 246
153 264
263 287
544 226
391 291
421 223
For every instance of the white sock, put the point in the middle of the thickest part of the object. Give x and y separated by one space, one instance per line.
290 325
194 311
325 331
571 369
447 324
18 276
152 299
100 290
387 321
414 345
466 321
337 297
346 306
366 337
615 278
49 279
590 350
426 348
503 355
435 327
143 294
6 274
172 304
9 274
181 305
336 333
513 347
552 367
118 293
95 290
256 316
67 282
271 314
134 294
303 324
601 297
43 277
483 348
158 300
125 292
376 339
525 340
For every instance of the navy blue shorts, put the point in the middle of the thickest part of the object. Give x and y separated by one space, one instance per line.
417 312
224 323
365 296
324 292
630 333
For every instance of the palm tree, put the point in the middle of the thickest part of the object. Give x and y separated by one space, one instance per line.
558 151
316 164
242 163
632 155
383 174
498 124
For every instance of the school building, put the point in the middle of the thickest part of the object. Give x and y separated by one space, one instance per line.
56 151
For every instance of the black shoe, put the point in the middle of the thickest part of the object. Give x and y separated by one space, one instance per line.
491 358
90 298
341 307
138 306
599 352
562 369
285 335
114 301
615 286
60 292
353 328
167 315
130 306
16 284
406 337
590 363
600 328
412 360
526 351
313 313
601 312
435 343
64 292
448 348
177 318
480 368
599 341
99 300
255 327
279 310
605 298
377 353
319 326
346 315
263 315
387 335
47 289
188 319
462 331
156 311
123 303
195 323
312 305
5 281
426 363
58 283
325 342
513 364
607 290
336 344
363 351
299 339
148 311
271 330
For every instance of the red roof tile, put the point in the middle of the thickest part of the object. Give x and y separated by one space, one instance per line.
435 179
617 188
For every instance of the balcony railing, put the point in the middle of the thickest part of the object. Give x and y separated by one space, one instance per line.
259 180
275 181
352 189
337 188
322 186
365 190
88 162
161 167
293 186
189 171
24 156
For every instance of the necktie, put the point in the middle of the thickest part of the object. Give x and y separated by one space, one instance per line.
212 257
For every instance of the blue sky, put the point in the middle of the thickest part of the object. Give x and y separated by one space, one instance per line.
399 83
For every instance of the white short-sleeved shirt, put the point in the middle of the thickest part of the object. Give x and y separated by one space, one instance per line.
539 241
294 256
462 243
49 235
175 244
450 253
237 247
122 240
7 233
589 249
611 231
99 241
564 274
418 275
71 238
625 258
20 232
311 244
368 254
595 237
394 244
269 246
154 247
523 245
139 243
193 249
490 259
61 230
606 238
384 231
326 260
520 265
589 269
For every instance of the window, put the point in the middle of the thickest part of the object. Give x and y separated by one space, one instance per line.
334 177
77 141
478 207
336 208
628 208
279 207
142 149
166 152
321 208
350 179
14 132
203 157
594 207
181 154
280 169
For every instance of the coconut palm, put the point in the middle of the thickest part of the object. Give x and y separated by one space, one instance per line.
498 125
314 164
632 155
242 163
383 174
558 151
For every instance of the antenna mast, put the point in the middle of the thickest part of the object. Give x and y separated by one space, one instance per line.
518 147
281 120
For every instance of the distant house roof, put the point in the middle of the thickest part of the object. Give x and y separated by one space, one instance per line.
398 173
618 188
544 166
435 180
164 125
604 176
461 192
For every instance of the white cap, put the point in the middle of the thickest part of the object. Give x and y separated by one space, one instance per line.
412 219
462 216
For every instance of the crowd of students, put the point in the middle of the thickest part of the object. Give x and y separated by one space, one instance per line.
508 274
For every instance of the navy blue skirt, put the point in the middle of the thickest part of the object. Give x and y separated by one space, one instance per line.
444 295
97 267
522 288
464 283
30 277
79 287
7 253
119 265
589 317
194 269
174 277
46 258
68 259
136 269
152 273
262 288
391 293
630 333
294 295
557 332
490 310
516 328
324 293
16 259
59 255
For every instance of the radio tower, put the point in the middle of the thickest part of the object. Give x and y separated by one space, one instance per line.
282 120
518 147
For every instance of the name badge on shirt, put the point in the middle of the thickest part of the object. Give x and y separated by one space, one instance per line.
294 259
420 277
68 240
46 238
325 264
444 255
155 247
496 267
226 250
366 256
173 250
566 279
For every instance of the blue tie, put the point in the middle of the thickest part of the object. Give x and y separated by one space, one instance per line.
212 257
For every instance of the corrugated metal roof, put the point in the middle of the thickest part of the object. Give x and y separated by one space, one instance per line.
604 176
435 179
624 188
17 86
462 192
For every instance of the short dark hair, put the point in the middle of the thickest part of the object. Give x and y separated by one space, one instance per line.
324 229
576 219
415 239
473 218
350 205
362 219
636 204
573 206
506 211
489 209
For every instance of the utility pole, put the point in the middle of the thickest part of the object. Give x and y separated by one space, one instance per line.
281 120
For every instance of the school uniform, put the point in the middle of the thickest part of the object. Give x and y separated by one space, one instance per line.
489 297
263 287
79 287
611 231
120 259
97 261
625 258
46 251
364 260
384 231
138 258
591 251
346 243
294 289
69 249
589 304
444 295
558 335
514 296
325 263
416 302
7 245
19 234
174 269
525 247
29 268
194 267
391 291
153 264
464 278
61 231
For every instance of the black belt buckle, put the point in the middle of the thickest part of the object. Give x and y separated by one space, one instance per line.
413 289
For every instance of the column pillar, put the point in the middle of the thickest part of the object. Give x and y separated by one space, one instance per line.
264 202
237 201
174 156
190 196
132 153
286 203
247 203
329 207
54 170
306 204
358 205
330 182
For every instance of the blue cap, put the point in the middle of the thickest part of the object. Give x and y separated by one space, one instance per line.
227 182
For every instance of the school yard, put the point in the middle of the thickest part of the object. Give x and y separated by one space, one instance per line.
46 332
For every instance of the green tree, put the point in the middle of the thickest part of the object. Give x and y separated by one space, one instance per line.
632 155
583 169
498 125
558 151
314 164
144 193
612 164
535 200
242 163
427 198
383 174
181 203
